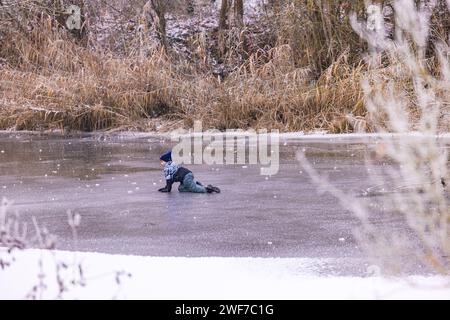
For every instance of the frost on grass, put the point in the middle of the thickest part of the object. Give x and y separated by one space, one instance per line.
404 92
66 274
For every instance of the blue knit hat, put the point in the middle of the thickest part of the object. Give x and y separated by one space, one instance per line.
166 157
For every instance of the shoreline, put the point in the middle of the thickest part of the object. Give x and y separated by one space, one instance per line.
176 134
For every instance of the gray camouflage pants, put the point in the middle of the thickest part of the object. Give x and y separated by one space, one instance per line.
190 185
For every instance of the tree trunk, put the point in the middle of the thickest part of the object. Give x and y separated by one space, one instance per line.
239 12
223 19
190 7
155 14
160 8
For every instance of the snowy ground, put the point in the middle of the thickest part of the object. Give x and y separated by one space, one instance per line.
205 278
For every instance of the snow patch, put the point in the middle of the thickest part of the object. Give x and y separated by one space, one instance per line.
208 278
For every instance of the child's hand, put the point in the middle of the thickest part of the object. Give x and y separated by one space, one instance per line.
163 190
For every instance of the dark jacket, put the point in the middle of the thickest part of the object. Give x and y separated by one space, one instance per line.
178 176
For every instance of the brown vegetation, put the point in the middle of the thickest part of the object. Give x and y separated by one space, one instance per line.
298 68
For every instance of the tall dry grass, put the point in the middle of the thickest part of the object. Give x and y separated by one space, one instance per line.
51 81
319 32
56 83
298 69
277 94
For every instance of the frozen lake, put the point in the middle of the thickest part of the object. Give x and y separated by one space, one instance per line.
112 183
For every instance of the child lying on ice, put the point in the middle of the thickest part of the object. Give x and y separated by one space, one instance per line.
174 173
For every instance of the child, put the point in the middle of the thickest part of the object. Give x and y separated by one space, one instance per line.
174 173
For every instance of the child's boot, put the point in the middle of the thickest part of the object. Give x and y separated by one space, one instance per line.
211 189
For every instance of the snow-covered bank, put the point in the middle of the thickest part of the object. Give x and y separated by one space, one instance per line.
206 278
130 135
